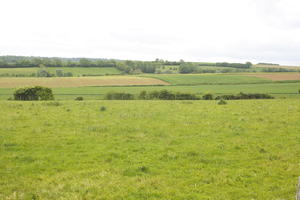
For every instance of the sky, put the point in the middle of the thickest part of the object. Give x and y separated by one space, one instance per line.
192 30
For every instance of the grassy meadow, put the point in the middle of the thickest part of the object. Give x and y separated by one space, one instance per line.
149 150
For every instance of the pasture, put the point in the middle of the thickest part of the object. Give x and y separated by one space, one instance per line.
149 150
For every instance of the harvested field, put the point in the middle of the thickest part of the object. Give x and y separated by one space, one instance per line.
278 77
206 79
279 66
79 81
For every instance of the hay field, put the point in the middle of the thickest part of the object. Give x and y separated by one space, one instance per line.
278 76
79 81
207 79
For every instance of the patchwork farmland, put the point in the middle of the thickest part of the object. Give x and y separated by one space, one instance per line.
83 146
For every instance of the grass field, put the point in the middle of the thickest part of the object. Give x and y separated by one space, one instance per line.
76 71
197 79
149 150
79 81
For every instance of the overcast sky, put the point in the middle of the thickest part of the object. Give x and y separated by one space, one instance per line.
193 30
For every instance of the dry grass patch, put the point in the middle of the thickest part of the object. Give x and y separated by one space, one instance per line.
80 81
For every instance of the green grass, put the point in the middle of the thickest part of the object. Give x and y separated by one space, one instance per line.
279 90
197 79
76 71
149 150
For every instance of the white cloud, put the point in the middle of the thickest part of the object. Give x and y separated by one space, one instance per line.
215 30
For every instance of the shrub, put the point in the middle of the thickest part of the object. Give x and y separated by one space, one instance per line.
254 96
44 73
245 96
207 97
119 96
153 95
167 95
33 93
143 95
79 99
186 96
102 108
222 102
226 97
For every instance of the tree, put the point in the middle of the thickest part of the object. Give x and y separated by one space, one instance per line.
123 67
248 64
186 69
57 62
83 62
3 63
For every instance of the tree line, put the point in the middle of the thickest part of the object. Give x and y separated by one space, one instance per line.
125 66
23 62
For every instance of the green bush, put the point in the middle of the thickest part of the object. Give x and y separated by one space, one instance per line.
222 102
208 97
79 99
167 95
143 95
102 108
119 96
186 96
33 94
245 96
